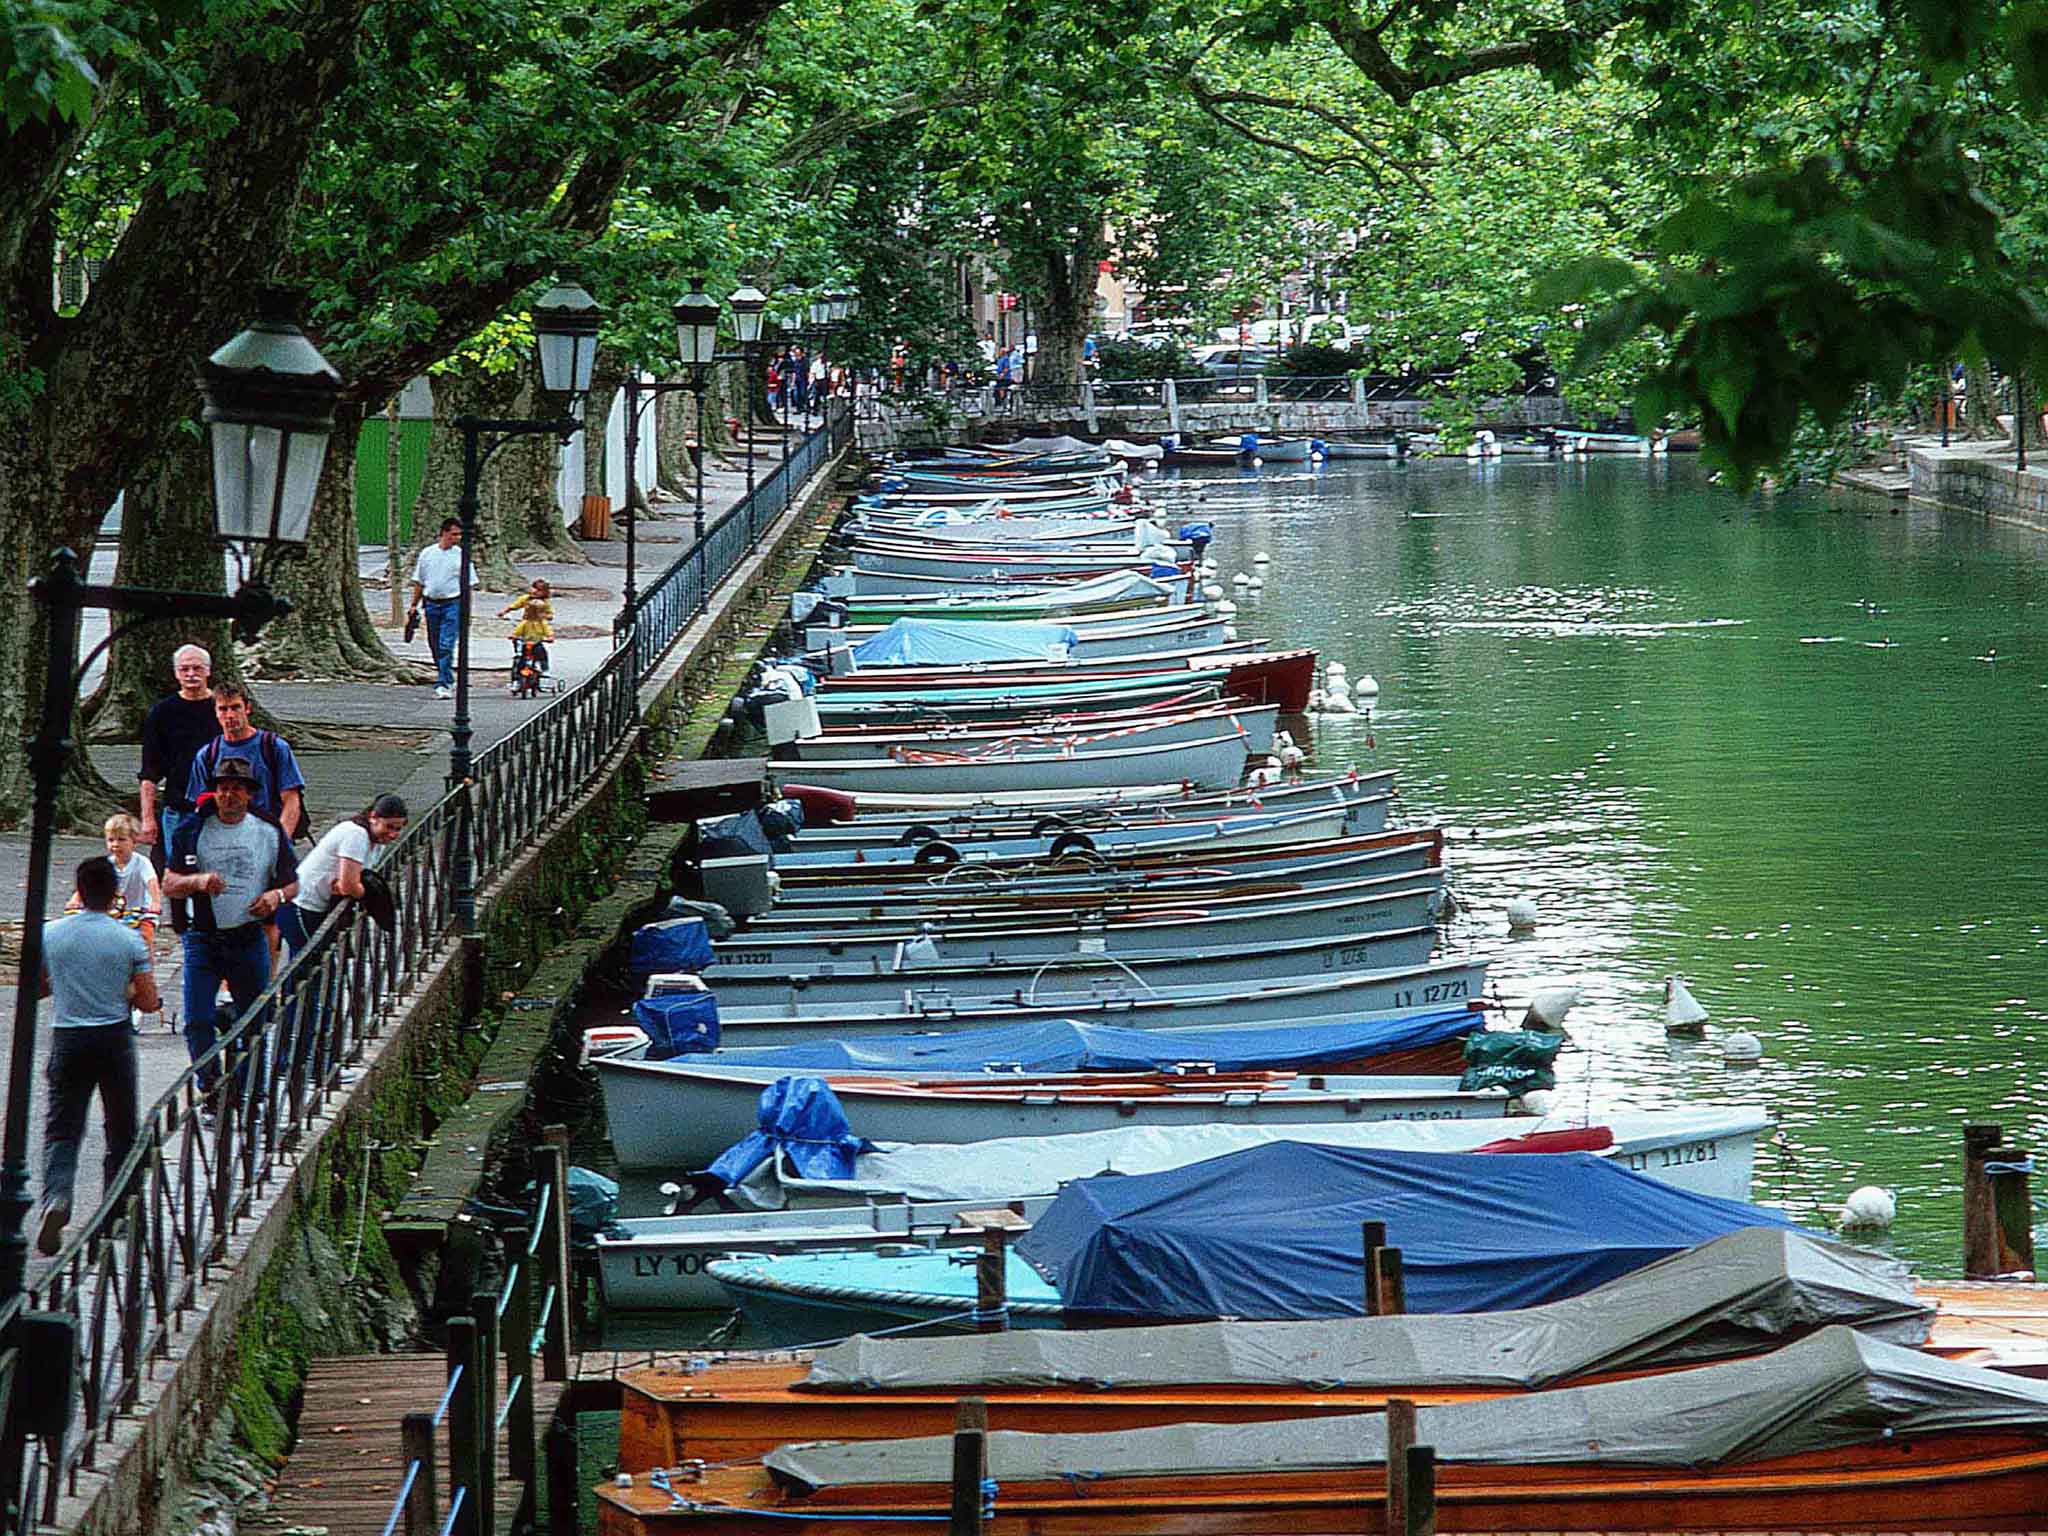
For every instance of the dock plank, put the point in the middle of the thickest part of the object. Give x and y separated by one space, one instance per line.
347 1466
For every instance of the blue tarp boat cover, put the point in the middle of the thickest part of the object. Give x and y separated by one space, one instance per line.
1274 1231
677 1023
1061 1045
674 944
802 1118
953 642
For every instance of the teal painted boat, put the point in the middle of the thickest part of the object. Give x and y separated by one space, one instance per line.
896 1286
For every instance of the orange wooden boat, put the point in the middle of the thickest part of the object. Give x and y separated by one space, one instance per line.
734 1408
1836 1433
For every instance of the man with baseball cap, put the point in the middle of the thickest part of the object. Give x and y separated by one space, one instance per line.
228 871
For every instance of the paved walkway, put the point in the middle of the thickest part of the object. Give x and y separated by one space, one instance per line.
403 738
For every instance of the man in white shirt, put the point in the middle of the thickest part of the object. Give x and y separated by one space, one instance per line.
437 580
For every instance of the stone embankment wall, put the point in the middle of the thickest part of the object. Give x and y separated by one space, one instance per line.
1982 479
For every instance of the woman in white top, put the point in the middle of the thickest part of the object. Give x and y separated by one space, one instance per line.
334 869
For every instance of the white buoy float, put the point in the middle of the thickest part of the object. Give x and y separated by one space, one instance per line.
1225 609
1257 462
1742 1049
1291 757
1339 704
1368 686
1262 558
1547 1008
1212 591
1683 1014
1521 913
1262 776
1538 1101
670 1192
1256 584
1240 580
1870 1208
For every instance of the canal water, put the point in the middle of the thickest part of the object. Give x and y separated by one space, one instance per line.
1789 748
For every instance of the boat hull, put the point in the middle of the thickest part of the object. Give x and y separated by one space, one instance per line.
1217 763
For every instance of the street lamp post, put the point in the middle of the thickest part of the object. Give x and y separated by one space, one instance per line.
697 341
748 304
269 410
821 315
791 321
565 324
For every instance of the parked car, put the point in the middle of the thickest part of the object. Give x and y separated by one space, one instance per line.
1226 363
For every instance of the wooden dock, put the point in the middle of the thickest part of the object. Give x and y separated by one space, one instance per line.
346 1469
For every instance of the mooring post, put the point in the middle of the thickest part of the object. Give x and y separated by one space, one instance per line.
2007 1170
1400 1437
992 1282
970 1466
1393 1293
554 1253
1421 1463
563 1490
485 1495
462 1424
1980 1247
1373 1237
422 1504
517 1344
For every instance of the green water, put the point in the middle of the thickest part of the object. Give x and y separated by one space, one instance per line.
1666 715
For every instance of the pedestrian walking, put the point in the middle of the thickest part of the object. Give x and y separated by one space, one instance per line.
95 970
231 868
176 727
438 577
333 871
280 791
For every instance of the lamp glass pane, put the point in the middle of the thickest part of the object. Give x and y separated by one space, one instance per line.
583 364
231 514
746 324
558 364
821 311
305 452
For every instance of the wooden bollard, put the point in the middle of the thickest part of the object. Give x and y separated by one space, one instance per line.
2008 1171
422 1504
562 1481
1373 1236
1980 1248
1421 1515
970 1466
992 1282
463 1355
1389 1288
1400 1436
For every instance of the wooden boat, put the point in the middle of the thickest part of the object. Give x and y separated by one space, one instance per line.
1162 629
1628 443
1355 909
1200 455
658 1262
767 983
1833 1432
680 1114
1105 731
969 1002
1172 690
1216 761
1725 1299
1265 677
1365 448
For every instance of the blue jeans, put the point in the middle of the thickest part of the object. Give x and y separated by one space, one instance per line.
241 958
444 624
168 821
84 1061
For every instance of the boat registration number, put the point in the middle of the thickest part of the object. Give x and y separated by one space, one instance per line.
652 1266
1674 1157
746 957
1433 992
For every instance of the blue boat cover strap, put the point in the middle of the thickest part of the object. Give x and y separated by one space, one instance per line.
1062 1045
802 1119
1273 1231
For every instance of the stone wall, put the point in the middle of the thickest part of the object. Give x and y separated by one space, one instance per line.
1981 479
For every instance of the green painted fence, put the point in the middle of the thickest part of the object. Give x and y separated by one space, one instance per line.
371 467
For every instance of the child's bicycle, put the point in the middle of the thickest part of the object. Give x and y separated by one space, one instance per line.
529 670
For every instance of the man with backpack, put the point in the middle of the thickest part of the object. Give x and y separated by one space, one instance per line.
279 790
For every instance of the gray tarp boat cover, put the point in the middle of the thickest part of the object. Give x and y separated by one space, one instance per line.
1736 1295
1834 1389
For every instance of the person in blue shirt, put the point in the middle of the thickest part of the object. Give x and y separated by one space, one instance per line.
95 968
277 787
1089 356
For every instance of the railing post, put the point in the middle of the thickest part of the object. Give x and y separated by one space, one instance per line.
485 1306
518 1346
554 1253
463 1437
416 1444
1169 397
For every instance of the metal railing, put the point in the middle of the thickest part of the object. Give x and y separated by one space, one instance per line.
223 1135
523 1323
1308 386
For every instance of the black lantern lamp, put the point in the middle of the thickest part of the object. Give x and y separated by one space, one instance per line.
565 326
749 307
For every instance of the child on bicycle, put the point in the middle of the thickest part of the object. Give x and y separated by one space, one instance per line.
530 637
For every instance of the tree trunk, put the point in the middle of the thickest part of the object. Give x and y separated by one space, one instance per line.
167 542
1980 403
1066 308
530 525
329 635
673 471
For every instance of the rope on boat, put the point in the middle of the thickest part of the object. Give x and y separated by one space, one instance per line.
2024 1165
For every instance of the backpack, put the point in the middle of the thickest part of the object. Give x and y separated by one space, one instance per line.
268 744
